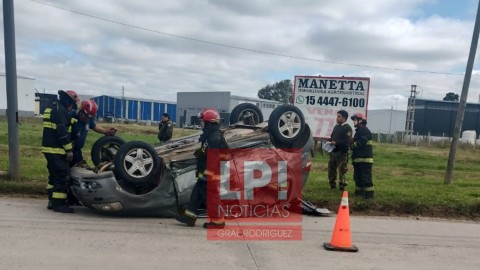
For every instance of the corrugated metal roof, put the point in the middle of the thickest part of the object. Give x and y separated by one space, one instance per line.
138 99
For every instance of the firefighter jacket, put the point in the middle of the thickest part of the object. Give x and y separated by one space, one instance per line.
362 149
211 138
56 130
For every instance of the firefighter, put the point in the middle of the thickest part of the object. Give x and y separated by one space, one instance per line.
362 157
165 128
211 138
341 138
82 121
57 148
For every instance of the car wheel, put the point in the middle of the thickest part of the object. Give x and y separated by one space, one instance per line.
105 149
137 162
303 141
249 113
286 124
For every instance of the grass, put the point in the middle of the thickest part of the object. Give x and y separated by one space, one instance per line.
408 180
32 162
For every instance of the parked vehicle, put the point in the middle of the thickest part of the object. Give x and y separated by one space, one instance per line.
136 178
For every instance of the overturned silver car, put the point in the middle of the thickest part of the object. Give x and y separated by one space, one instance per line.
138 179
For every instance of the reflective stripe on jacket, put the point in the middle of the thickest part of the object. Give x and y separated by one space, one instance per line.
56 127
362 149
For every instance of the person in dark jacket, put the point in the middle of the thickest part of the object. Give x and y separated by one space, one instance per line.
82 121
165 128
57 149
362 157
341 138
211 138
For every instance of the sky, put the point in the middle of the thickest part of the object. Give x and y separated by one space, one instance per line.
154 49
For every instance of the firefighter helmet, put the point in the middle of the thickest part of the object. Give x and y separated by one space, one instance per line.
359 116
210 115
68 97
90 107
74 95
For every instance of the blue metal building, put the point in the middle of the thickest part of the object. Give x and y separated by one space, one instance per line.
134 109
437 117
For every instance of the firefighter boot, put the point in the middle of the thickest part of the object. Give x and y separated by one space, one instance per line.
49 195
359 192
63 209
61 206
213 225
368 195
187 218
49 204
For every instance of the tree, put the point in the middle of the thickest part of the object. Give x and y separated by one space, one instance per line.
280 91
450 96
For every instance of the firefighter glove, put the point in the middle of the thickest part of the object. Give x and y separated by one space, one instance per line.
110 132
201 177
69 156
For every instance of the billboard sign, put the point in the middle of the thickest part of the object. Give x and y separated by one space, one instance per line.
319 98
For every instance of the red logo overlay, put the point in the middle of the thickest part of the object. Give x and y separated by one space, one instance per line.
256 192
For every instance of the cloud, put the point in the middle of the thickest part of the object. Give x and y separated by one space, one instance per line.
157 49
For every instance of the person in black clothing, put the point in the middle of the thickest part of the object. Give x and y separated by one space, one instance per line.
82 121
211 138
57 148
165 128
362 157
341 138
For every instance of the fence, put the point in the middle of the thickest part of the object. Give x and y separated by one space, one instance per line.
423 140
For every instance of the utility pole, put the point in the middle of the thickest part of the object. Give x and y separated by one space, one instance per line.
390 126
463 100
12 99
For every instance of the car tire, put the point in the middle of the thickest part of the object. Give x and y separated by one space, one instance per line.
137 163
240 111
286 124
105 149
304 139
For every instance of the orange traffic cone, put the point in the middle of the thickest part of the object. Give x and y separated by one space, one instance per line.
341 238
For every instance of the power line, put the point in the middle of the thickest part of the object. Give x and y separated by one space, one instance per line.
242 48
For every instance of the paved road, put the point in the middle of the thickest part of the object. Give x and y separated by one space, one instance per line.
32 237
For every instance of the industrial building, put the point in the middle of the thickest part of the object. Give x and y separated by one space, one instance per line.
429 117
25 95
190 104
130 109
42 101
437 118
386 121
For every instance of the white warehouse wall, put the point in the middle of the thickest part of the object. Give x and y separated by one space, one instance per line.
25 95
386 121
265 105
